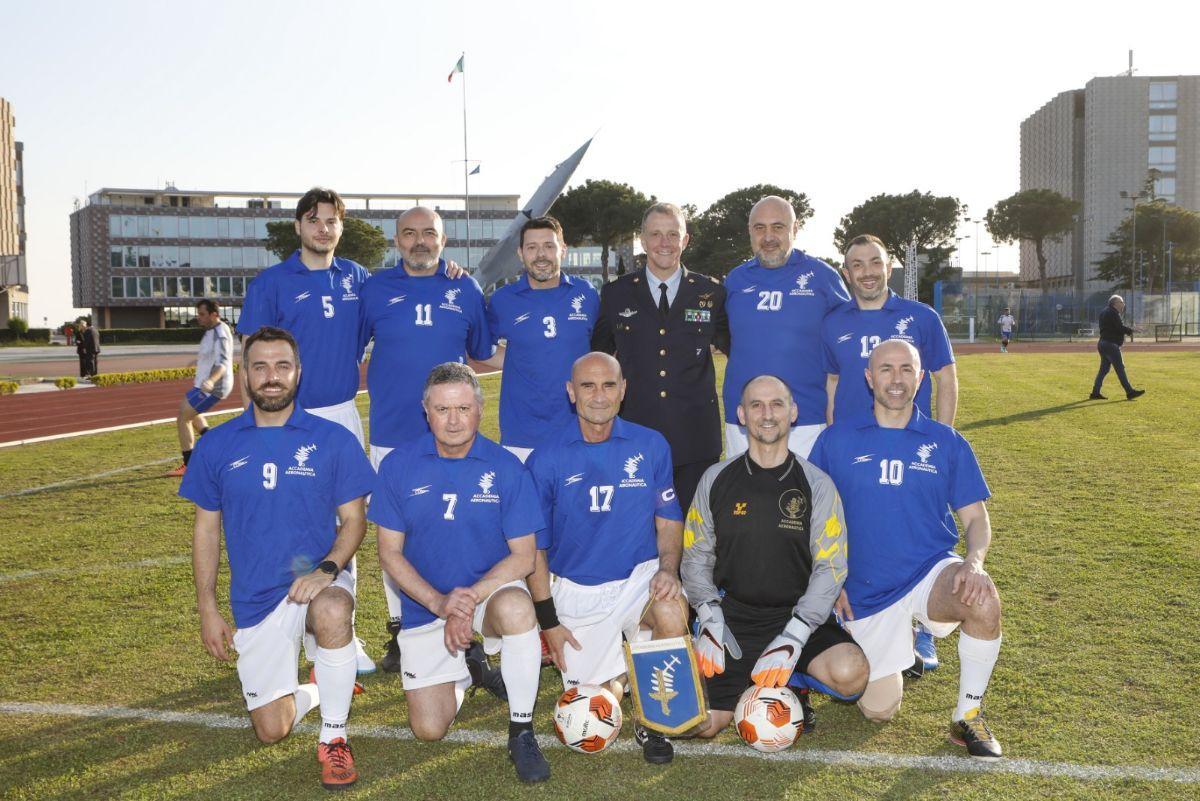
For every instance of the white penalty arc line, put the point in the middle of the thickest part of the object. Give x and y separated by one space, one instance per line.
159 561
856 759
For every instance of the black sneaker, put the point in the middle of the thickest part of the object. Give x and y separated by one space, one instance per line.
484 675
656 749
1096 396
391 657
809 721
1136 393
527 757
973 732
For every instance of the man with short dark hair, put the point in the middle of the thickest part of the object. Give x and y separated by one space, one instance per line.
1006 323
87 347
1112 336
546 318
214 380
288 490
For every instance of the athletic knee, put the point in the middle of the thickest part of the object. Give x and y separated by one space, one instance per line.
330 615
985 613
271 731
849 673
881 699
427 730
669 618
717 721
513 610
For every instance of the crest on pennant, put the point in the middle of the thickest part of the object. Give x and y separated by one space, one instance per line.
668 695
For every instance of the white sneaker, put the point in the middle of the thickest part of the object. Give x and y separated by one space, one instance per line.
365 663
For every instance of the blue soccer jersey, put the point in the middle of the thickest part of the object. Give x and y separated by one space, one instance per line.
417 322
321 310
898 487
278 490
775 328
849 334
547 330
457 515
600 500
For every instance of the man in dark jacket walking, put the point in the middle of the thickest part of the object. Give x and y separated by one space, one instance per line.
1112 336
87 345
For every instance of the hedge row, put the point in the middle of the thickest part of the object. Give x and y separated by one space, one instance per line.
146 376
32 335
116 336
8 387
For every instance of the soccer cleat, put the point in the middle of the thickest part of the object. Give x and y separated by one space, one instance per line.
365 664
925 648
809 722
973 732
178 472
484 675
1136 393
527 758
337 764
656 749
391 657
1096 396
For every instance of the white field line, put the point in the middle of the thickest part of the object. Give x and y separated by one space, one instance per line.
72 434
83 479
158 561
855 759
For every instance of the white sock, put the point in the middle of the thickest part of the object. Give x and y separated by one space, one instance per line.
521 667
976 659
336 668
307 697
392 594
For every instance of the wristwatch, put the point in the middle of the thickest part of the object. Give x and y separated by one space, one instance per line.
329 566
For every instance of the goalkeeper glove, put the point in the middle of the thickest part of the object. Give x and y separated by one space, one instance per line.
775 666
713 639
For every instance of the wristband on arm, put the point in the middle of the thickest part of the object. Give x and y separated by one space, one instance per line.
547 615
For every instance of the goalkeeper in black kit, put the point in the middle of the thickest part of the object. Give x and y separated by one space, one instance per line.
764 560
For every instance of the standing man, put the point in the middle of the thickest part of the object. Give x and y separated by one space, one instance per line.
1112 336
764 562
419 317
458 525
547 319
278 480
1006 323
662 323
613 540
779 297
315 296
214 379
87 347
876 314
899 474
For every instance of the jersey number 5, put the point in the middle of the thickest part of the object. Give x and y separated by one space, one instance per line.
327 305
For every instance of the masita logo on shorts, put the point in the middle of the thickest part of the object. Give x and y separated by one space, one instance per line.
485 494
924 453
577 309
301 468
632 465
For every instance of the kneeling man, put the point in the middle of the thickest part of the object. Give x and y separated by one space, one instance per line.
279 480
613 538
764 559
900 474
458 517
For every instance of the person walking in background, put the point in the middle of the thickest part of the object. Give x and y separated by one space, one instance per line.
214 380
87 346
1006 323
1112 336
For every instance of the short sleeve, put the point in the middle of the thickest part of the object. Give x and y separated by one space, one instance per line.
354 478
541 473
258 308
202 482
387 508
836 293
479 341
818 457
666 504
937 349
520 512
493 319
967 485
828 357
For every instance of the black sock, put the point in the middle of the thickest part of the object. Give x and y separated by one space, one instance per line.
515 728
201 432
187 455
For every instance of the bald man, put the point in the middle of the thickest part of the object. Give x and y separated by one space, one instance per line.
898 474
776 302
614 538
419 316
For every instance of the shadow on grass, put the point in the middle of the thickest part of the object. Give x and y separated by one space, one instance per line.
1032 414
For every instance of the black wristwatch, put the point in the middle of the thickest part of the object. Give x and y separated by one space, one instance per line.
329 566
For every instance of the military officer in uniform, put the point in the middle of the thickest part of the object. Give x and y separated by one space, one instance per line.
660 323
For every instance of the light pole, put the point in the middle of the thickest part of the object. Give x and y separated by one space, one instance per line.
1135 197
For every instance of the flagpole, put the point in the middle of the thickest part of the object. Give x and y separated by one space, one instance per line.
466 163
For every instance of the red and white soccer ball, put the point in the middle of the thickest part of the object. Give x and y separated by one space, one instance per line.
587 718
768 718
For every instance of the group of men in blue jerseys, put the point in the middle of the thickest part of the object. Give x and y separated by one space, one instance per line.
569 535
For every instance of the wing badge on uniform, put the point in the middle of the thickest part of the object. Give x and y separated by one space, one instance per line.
664 681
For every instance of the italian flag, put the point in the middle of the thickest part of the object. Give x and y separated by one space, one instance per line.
457 68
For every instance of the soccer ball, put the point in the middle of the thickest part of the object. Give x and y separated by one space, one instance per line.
587 718
768 718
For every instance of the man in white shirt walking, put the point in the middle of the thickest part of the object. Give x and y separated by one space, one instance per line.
214 379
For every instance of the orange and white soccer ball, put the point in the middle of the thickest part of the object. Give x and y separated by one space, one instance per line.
587 718
768 718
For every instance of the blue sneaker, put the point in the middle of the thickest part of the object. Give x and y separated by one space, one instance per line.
926 648
527 757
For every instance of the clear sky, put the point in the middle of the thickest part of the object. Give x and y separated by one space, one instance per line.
691 100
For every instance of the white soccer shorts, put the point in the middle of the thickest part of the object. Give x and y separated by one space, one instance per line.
800 441
344 414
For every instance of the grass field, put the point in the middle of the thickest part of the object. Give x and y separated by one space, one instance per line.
1096 555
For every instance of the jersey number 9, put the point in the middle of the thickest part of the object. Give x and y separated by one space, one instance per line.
270 475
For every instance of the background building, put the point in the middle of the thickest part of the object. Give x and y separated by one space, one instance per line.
14 289
1093 143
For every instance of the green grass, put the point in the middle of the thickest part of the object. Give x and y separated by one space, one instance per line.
1095 553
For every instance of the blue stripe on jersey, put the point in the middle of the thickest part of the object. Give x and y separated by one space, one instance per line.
278 490
898 487
321 310
457 515
546 330
417 322
849 334
601 500
775 328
